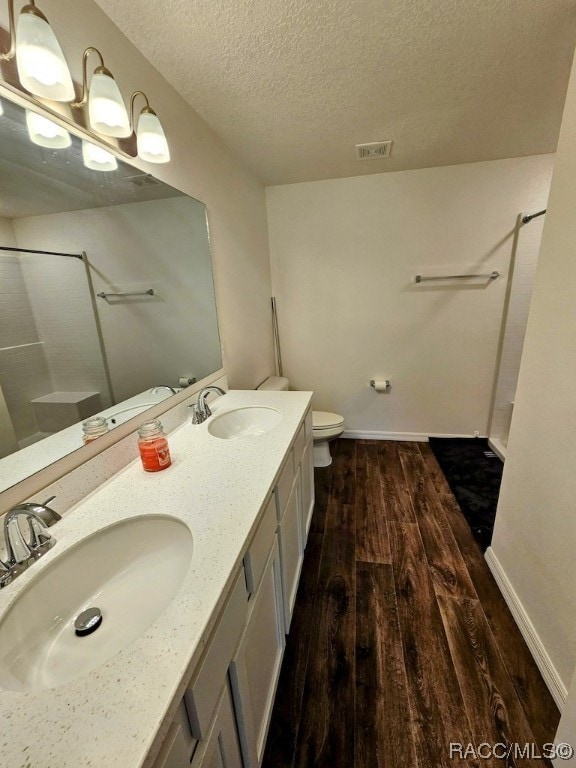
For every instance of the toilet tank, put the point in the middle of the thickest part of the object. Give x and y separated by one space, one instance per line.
276 383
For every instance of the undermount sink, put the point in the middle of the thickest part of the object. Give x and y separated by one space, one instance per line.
249 421
130 571
122 415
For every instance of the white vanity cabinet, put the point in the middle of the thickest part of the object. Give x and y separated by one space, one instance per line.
224 718
294 495
256 665
179 744
291 549
221 749
307 488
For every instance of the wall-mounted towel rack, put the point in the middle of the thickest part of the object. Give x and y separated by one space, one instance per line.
149 292
530 216
492 276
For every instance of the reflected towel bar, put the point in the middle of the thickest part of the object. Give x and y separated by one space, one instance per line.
149 292
422 279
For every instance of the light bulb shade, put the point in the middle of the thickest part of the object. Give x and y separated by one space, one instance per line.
42 68
151 140
98 159
45 133
106 109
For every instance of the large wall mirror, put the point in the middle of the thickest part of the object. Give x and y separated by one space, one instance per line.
107 296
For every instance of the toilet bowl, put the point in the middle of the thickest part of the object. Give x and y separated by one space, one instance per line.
326 426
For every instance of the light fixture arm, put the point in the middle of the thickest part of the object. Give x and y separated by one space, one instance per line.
147 108
12 37
30 7
101 69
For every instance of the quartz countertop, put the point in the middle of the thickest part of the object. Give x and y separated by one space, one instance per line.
114 715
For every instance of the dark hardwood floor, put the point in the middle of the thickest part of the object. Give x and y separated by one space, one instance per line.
401 642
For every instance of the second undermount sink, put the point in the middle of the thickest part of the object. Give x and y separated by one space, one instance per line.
249 421
129 571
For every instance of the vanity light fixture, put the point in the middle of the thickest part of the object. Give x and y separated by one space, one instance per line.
98 159
46 133
106 109
150 136
42 68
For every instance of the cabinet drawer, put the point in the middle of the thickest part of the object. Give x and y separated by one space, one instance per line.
284 487
308 426
178 746
258 552
299 446
173 751
202 695
291 552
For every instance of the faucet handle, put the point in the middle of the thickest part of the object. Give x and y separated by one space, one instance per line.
197 417
19 549
36 537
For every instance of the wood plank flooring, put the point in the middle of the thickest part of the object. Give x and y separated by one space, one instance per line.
401 642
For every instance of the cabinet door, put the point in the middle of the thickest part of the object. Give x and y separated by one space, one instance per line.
179 743
221 749
307 488
256 665
291 550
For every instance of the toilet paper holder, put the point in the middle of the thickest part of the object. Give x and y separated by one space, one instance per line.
380 385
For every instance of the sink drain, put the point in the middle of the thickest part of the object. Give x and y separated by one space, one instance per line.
88 621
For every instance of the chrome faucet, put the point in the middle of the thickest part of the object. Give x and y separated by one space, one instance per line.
201 410
20 553
154 390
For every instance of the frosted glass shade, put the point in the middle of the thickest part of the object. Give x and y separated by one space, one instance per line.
98 159
45 133
151 140
106 109
42 68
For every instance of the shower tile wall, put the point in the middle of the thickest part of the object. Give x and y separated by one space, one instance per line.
24 372
62 307
517 318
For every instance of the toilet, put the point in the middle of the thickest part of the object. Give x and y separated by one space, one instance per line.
326 426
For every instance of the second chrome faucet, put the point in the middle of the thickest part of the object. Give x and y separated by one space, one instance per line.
201 410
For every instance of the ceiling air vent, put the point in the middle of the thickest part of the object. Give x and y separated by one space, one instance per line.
374 151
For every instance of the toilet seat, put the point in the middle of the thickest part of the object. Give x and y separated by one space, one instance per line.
324 420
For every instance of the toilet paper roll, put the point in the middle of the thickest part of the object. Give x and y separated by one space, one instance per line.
380 385
186 381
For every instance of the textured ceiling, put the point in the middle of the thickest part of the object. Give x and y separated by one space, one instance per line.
293 85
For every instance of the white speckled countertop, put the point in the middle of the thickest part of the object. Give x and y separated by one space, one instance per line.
112 716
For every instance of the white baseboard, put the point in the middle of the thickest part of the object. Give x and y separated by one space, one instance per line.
418 437
547 669
369 435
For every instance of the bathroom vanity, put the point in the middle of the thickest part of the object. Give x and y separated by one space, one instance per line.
196 687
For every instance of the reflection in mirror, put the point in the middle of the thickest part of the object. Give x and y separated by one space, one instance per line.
106 294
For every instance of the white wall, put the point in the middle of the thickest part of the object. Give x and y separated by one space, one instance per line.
344 254
160 244
203 167
525 262
535 536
